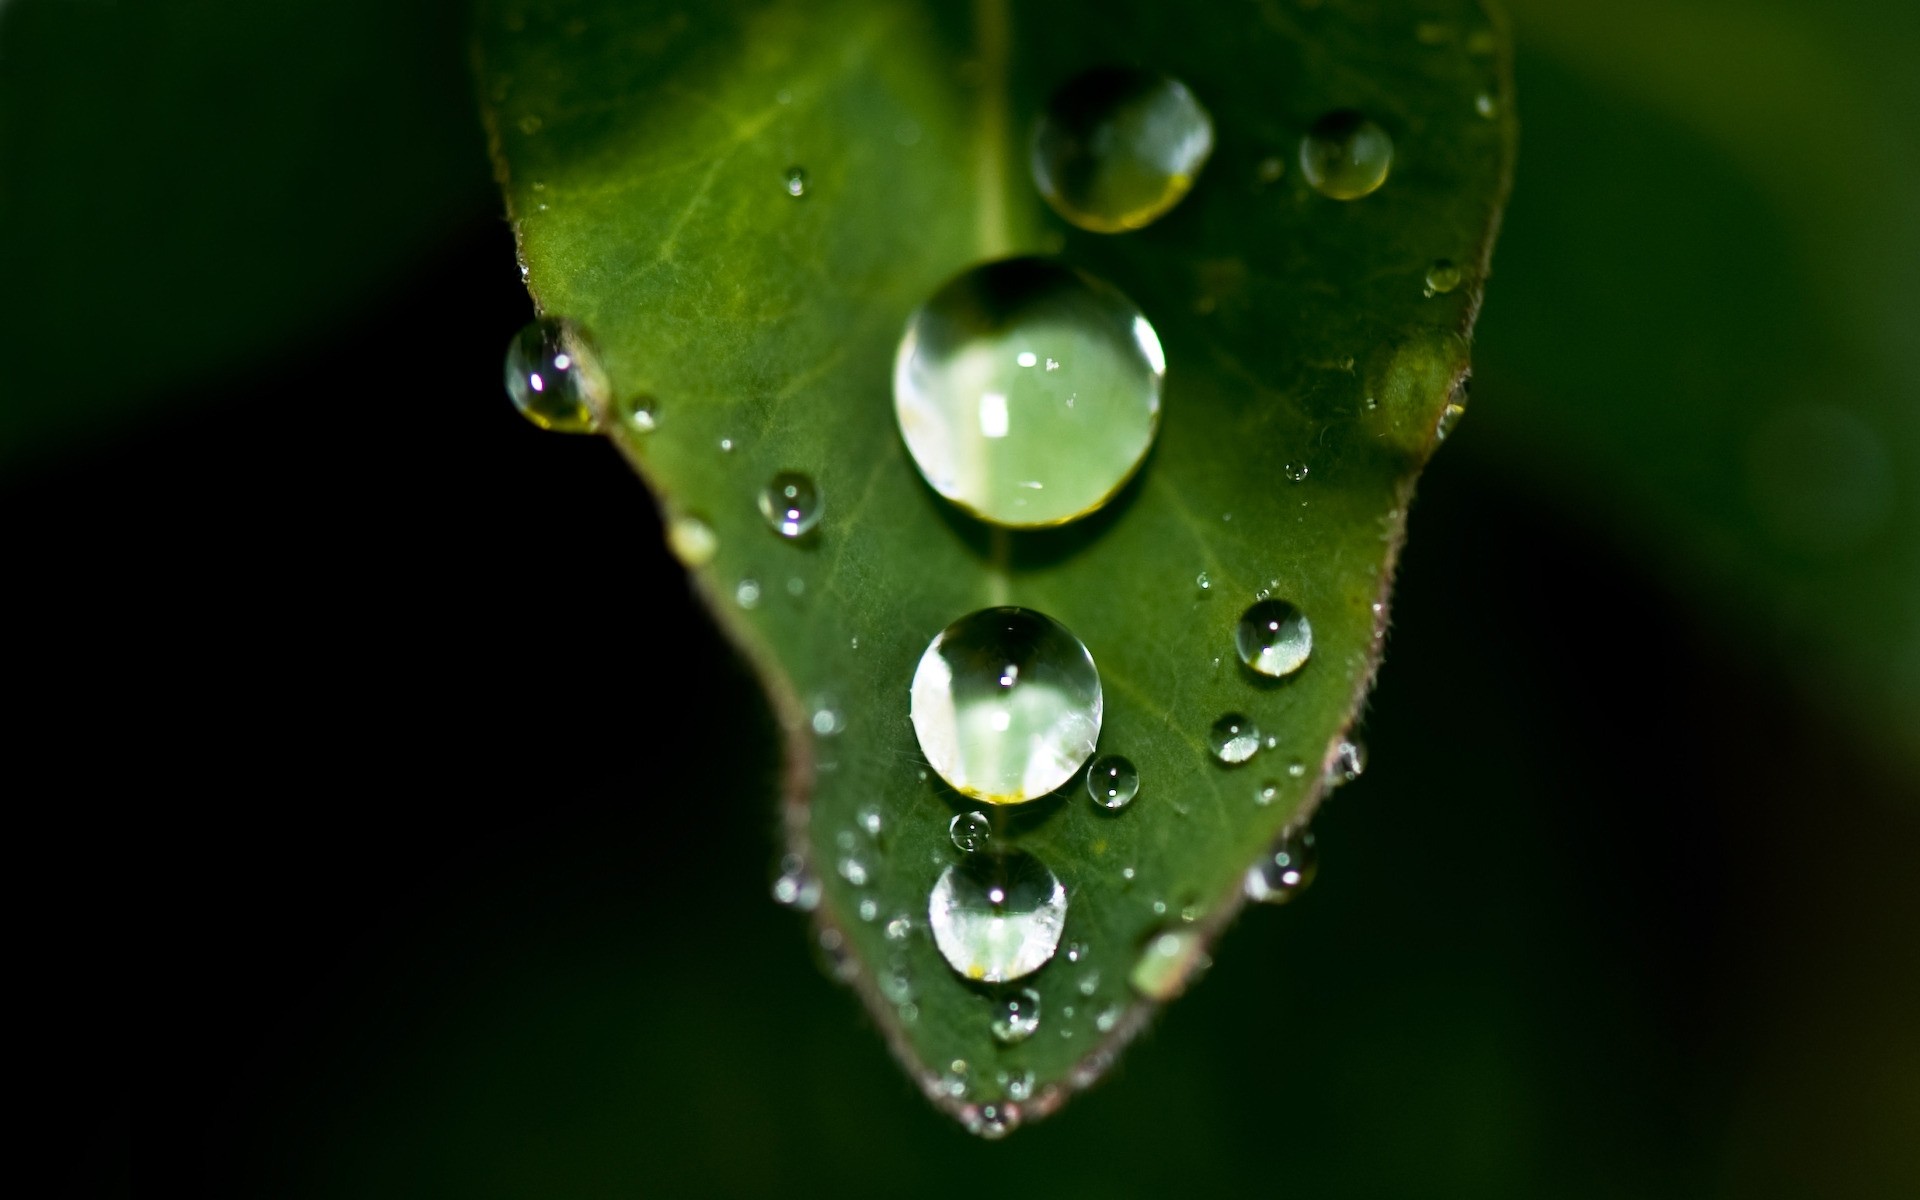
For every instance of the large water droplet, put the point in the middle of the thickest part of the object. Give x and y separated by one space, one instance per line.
1016 444
1117 147
791 503
1273 637
1234 738
1006 704
970 831
1112 781
997 918
1284 871
1167 962
554 376
1016 1016
1345 156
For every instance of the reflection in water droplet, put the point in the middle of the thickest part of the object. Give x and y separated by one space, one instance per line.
1202 582
796 181
1075 951
554 376
1112 781
1345 156
1273 637
1117 147
1016 1016
791 503
970 831
1020 447
899 928
1018 1087
1006 704
1167 963
1234 738
1284 871
692 540
997 918
1349 762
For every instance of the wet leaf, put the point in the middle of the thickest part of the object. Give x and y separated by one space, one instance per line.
649 157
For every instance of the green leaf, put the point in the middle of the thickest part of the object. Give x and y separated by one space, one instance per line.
645 152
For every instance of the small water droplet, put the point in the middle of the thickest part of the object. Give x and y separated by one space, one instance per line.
1017 1087
1234 738
994 1121
981 429
853 871
1273 637
1449 417
796 181
1112 781
554 376
1202 582
1127 873
1297 769
1486 105
795 888
1116 148
1345 155
747 594
1349 762
869 820
997 918
896 983
1108 1017
899 928
1296 472
1076 951
970 831
1089 983
1167 963
869 909
1266 793
1006 704
828 720
1284 871
791 503
640 413
1442 277
1016 1016
692 540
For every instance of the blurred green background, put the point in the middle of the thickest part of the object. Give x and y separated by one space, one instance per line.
437 825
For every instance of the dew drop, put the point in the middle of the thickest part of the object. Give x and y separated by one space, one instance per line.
869 820
747 594
796 888
1296 472
692 540
827 719
1234 739
1273 637
853 871
1202 582
869 909
1076 951
1449 417
1112 781
640 413
1018 1087
993 1121
1018 447
1006 704
1345 155
1349 762
970 831
1266 793
1108 1017
1016 1016
997 918
1297 769
1167 963
791 503
1116 148
554 376
1089 983
796 181
900 928
1284 871
1442 277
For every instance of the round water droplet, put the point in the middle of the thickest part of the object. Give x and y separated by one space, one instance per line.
692 540
1076 951
869 820
827 719
1006 704
747 594
1112 781
900 928
1167 963
1202 581
1296 472
796 181
1284 871
640 413
791 503
1108 1017
996 919
853 871
970 831
869 909
554 377
1349 762
1345 156
1117 147
1266 793
1017 446
1273 637
992 1122
1016 1016
1270 169
1234 739
1442 277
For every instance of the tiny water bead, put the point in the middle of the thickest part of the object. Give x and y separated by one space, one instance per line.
1006 704
1273 638
1296 472
1284 871
554 377
796 181
1449 417
1345 155
791 503
1116 148
1349 762
1112 781
1267 792
1234 739
997 918
1016 1016
970 831
998 433
639 413
796 888
1442 277
1167 963
692 540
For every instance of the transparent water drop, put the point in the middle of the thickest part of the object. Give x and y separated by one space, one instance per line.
1296 472
1019 447
1345 155
1449 417
827 720
853 871
1202 581
1234 739
1112 781
639 413
993 1121
692 540
1442 277
1296 768
1108 1017
1076 951
726 445
1273 637
1349 762
1284 871
1006 704
970 832
869 909
1016 1016
997 918
869 820
896 983
1266 793
1017 1086
796 181
1167 963
1116 148
796 888
791 503
554 376
900 928
747 594
1089 983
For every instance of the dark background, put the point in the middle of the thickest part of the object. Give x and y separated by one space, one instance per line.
359 862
